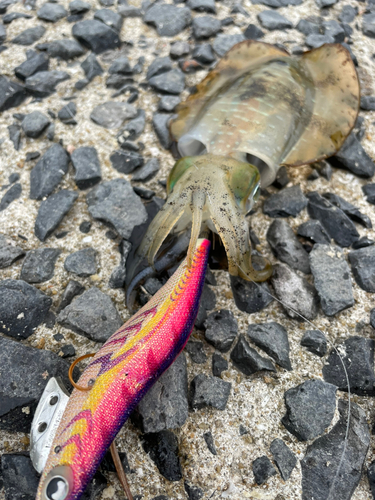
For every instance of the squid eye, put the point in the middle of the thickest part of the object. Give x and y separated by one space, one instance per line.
57 488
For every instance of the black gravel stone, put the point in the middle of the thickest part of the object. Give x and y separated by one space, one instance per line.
205 27
362 243
208 302
160 123
315 342
252 32
13 193
369 192
207 436
221 329
12 16
96 35
165 405
39 265
223 43
308 28
363 267
126 162
114 202
3 33
147 172
296 293
38 62
15 135
91 67
118 275
284 458
110 18
250 297
163 450
79 7
350 210
368 102
193 492
73 288
357 354
112 114
209 391
52 211
145 194
219 364
43 83
314 231
51 12
9 253
247 360
179 49
196 352
371 477
11 94
29 36
289 201
22 308
33 155
272 338
282 178
49 171
314 41
286 246
83 263
263 469
67 351
168 19
107 463
272 20
92 314
85 226
87 167
353 157
325 455
310 408
20 478
333 219
331 278
34 124
368 25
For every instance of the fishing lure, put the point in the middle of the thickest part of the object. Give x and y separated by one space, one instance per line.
260 108
117 378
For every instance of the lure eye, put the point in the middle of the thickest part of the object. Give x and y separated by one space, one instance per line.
57 488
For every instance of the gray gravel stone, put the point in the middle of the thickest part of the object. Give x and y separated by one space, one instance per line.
332 278
22 308
120 65
79 7
12 16
323 457
51 12
91 314
289 201
171 82
9 253
221 329
209 391
48 172
284 458
196 352
204 54
369 192
126 162
272 20
308 27
26 369
38 62
13 193
83 263
52 211
247 360
272 338
11 94
160 123
347 14
286 246
112 114
169 20
371 477
165 405
86 164
158 66
202 5
91 67
179 49
315 342
39 265
252 32
263 469
110 18
334 29
353 157
29 36
129 11
20 478
250 297
65 49
34 124
115 202
73 288
363 267
205 26
147 172
368 25
3 33
96 35
314 41
223 43
310 408
43 83
295 292
357 354
15 135
368 102
314 231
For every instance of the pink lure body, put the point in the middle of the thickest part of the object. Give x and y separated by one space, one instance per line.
121 373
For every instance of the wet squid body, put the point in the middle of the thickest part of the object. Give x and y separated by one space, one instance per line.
119 375
260 108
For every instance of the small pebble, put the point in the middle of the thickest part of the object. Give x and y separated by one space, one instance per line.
263 470
209 391
272 338
221 329
39 265
219 364
315 342
247 360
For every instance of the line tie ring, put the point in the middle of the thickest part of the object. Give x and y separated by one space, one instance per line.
72 366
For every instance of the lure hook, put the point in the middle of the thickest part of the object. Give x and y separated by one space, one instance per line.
72 366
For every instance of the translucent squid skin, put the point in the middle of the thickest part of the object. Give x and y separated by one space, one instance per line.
260 108
119 375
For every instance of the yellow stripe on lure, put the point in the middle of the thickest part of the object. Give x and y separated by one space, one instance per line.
119 375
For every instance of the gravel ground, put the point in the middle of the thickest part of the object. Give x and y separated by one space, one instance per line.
256 402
